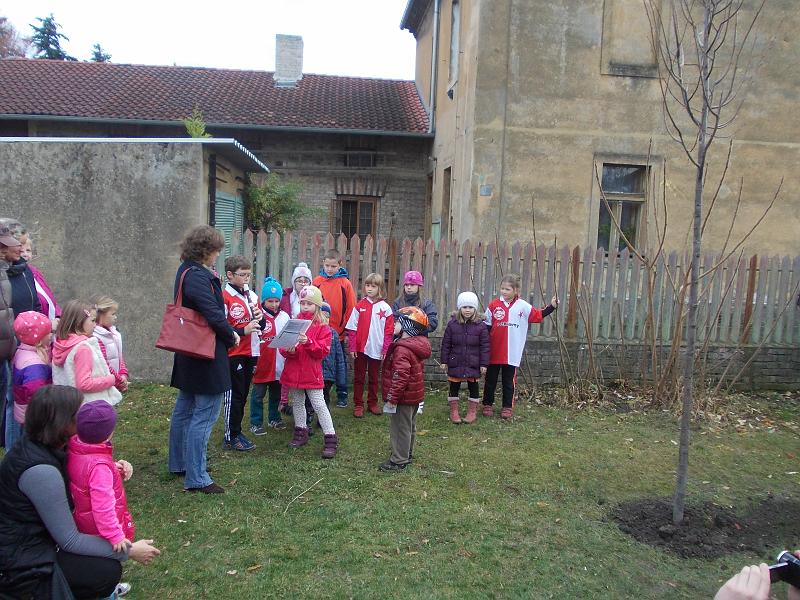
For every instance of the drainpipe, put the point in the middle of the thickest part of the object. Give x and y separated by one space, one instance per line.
434 64
501 202
212 190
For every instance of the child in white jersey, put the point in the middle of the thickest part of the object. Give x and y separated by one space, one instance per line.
369 330
508 318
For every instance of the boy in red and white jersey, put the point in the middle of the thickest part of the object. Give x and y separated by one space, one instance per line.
508 318
369 329
246 318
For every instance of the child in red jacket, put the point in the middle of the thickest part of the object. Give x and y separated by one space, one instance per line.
403 384
302 372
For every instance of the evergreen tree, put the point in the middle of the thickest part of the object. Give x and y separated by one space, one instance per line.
46 39
98 55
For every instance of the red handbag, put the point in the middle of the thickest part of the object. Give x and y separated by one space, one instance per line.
186 331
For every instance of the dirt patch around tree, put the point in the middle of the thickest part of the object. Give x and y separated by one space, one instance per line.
710 530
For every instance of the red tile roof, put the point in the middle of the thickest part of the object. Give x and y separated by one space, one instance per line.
225 97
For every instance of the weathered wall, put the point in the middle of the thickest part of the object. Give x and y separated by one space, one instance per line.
316 161
551 95
108 218
773 368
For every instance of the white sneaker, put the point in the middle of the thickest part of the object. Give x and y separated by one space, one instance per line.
419 408
122 589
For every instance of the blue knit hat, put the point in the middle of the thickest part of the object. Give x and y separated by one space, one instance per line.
271 289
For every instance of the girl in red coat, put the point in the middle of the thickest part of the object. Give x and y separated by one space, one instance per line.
403 384
302 372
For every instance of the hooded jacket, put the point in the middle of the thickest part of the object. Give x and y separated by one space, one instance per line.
101 507
339 294
303 367
28 373
79 362
403 370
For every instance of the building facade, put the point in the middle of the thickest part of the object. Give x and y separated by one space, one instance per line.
536 102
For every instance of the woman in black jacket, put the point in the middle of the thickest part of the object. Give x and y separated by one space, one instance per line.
201 383
42 555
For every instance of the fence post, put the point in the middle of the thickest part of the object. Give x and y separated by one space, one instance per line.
392 287
748 300
574 284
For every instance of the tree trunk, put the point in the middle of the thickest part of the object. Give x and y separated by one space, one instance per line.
678 504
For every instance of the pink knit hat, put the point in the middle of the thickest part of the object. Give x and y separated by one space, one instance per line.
31 327
413 278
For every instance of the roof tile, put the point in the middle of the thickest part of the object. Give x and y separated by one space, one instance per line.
225 97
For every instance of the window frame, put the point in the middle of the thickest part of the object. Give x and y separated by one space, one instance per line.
336 214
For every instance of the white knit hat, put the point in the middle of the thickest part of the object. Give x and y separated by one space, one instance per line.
467 299
301 270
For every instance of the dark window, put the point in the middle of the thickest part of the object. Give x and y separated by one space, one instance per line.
624 187
359 158
355 216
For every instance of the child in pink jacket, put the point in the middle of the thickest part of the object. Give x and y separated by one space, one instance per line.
77 358
95 479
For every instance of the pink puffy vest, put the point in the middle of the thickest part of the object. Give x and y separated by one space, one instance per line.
81 459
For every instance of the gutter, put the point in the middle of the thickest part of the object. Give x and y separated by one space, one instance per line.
434 65
279 128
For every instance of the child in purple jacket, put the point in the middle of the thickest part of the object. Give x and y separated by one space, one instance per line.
465 354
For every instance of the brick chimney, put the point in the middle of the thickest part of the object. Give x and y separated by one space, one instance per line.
288 60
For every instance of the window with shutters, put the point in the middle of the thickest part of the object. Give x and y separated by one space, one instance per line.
229 219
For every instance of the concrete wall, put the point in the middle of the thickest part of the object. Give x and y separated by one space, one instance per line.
108 218
560 84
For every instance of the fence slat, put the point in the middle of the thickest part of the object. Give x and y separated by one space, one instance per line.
275 257
405 257
260 267
633 298
419 248
465 275
476 285
441 269
608 296
430 271
574 292
355 264
549 284
366 261
563 277
288 247
781 301
793 319
596 297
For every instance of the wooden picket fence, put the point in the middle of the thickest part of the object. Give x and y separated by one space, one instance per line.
608 298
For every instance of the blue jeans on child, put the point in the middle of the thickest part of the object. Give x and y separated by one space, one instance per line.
12 430
190 428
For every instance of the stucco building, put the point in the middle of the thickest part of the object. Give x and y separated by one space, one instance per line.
533 101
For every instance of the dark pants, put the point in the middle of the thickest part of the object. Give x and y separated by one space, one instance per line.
273 388
89 576
365 367
472 387
341 392
509 381
326 392
241 368
402 433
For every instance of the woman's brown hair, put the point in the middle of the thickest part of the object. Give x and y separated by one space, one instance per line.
72 317
200 242
50 416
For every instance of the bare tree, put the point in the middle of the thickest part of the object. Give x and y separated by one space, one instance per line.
705 52
11 42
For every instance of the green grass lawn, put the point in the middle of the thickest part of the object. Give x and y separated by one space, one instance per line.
496 509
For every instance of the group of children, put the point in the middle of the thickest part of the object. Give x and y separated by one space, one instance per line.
86 354
378 337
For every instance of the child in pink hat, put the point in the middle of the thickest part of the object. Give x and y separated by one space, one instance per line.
30 368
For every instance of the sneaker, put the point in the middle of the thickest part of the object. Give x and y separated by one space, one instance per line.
211 488
358 412
277 425
257 430
390 466
226 445
375 410
419 408
341 403
488 410
242 444
122 589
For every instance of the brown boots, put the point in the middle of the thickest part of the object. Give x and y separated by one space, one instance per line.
331 446
472 410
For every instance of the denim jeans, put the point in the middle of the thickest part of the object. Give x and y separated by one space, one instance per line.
190 428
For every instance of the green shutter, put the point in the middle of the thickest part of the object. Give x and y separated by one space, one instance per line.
229 215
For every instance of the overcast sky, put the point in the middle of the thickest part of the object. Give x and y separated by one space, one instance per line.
341 37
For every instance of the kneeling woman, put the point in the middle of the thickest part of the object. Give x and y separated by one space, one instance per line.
41 552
